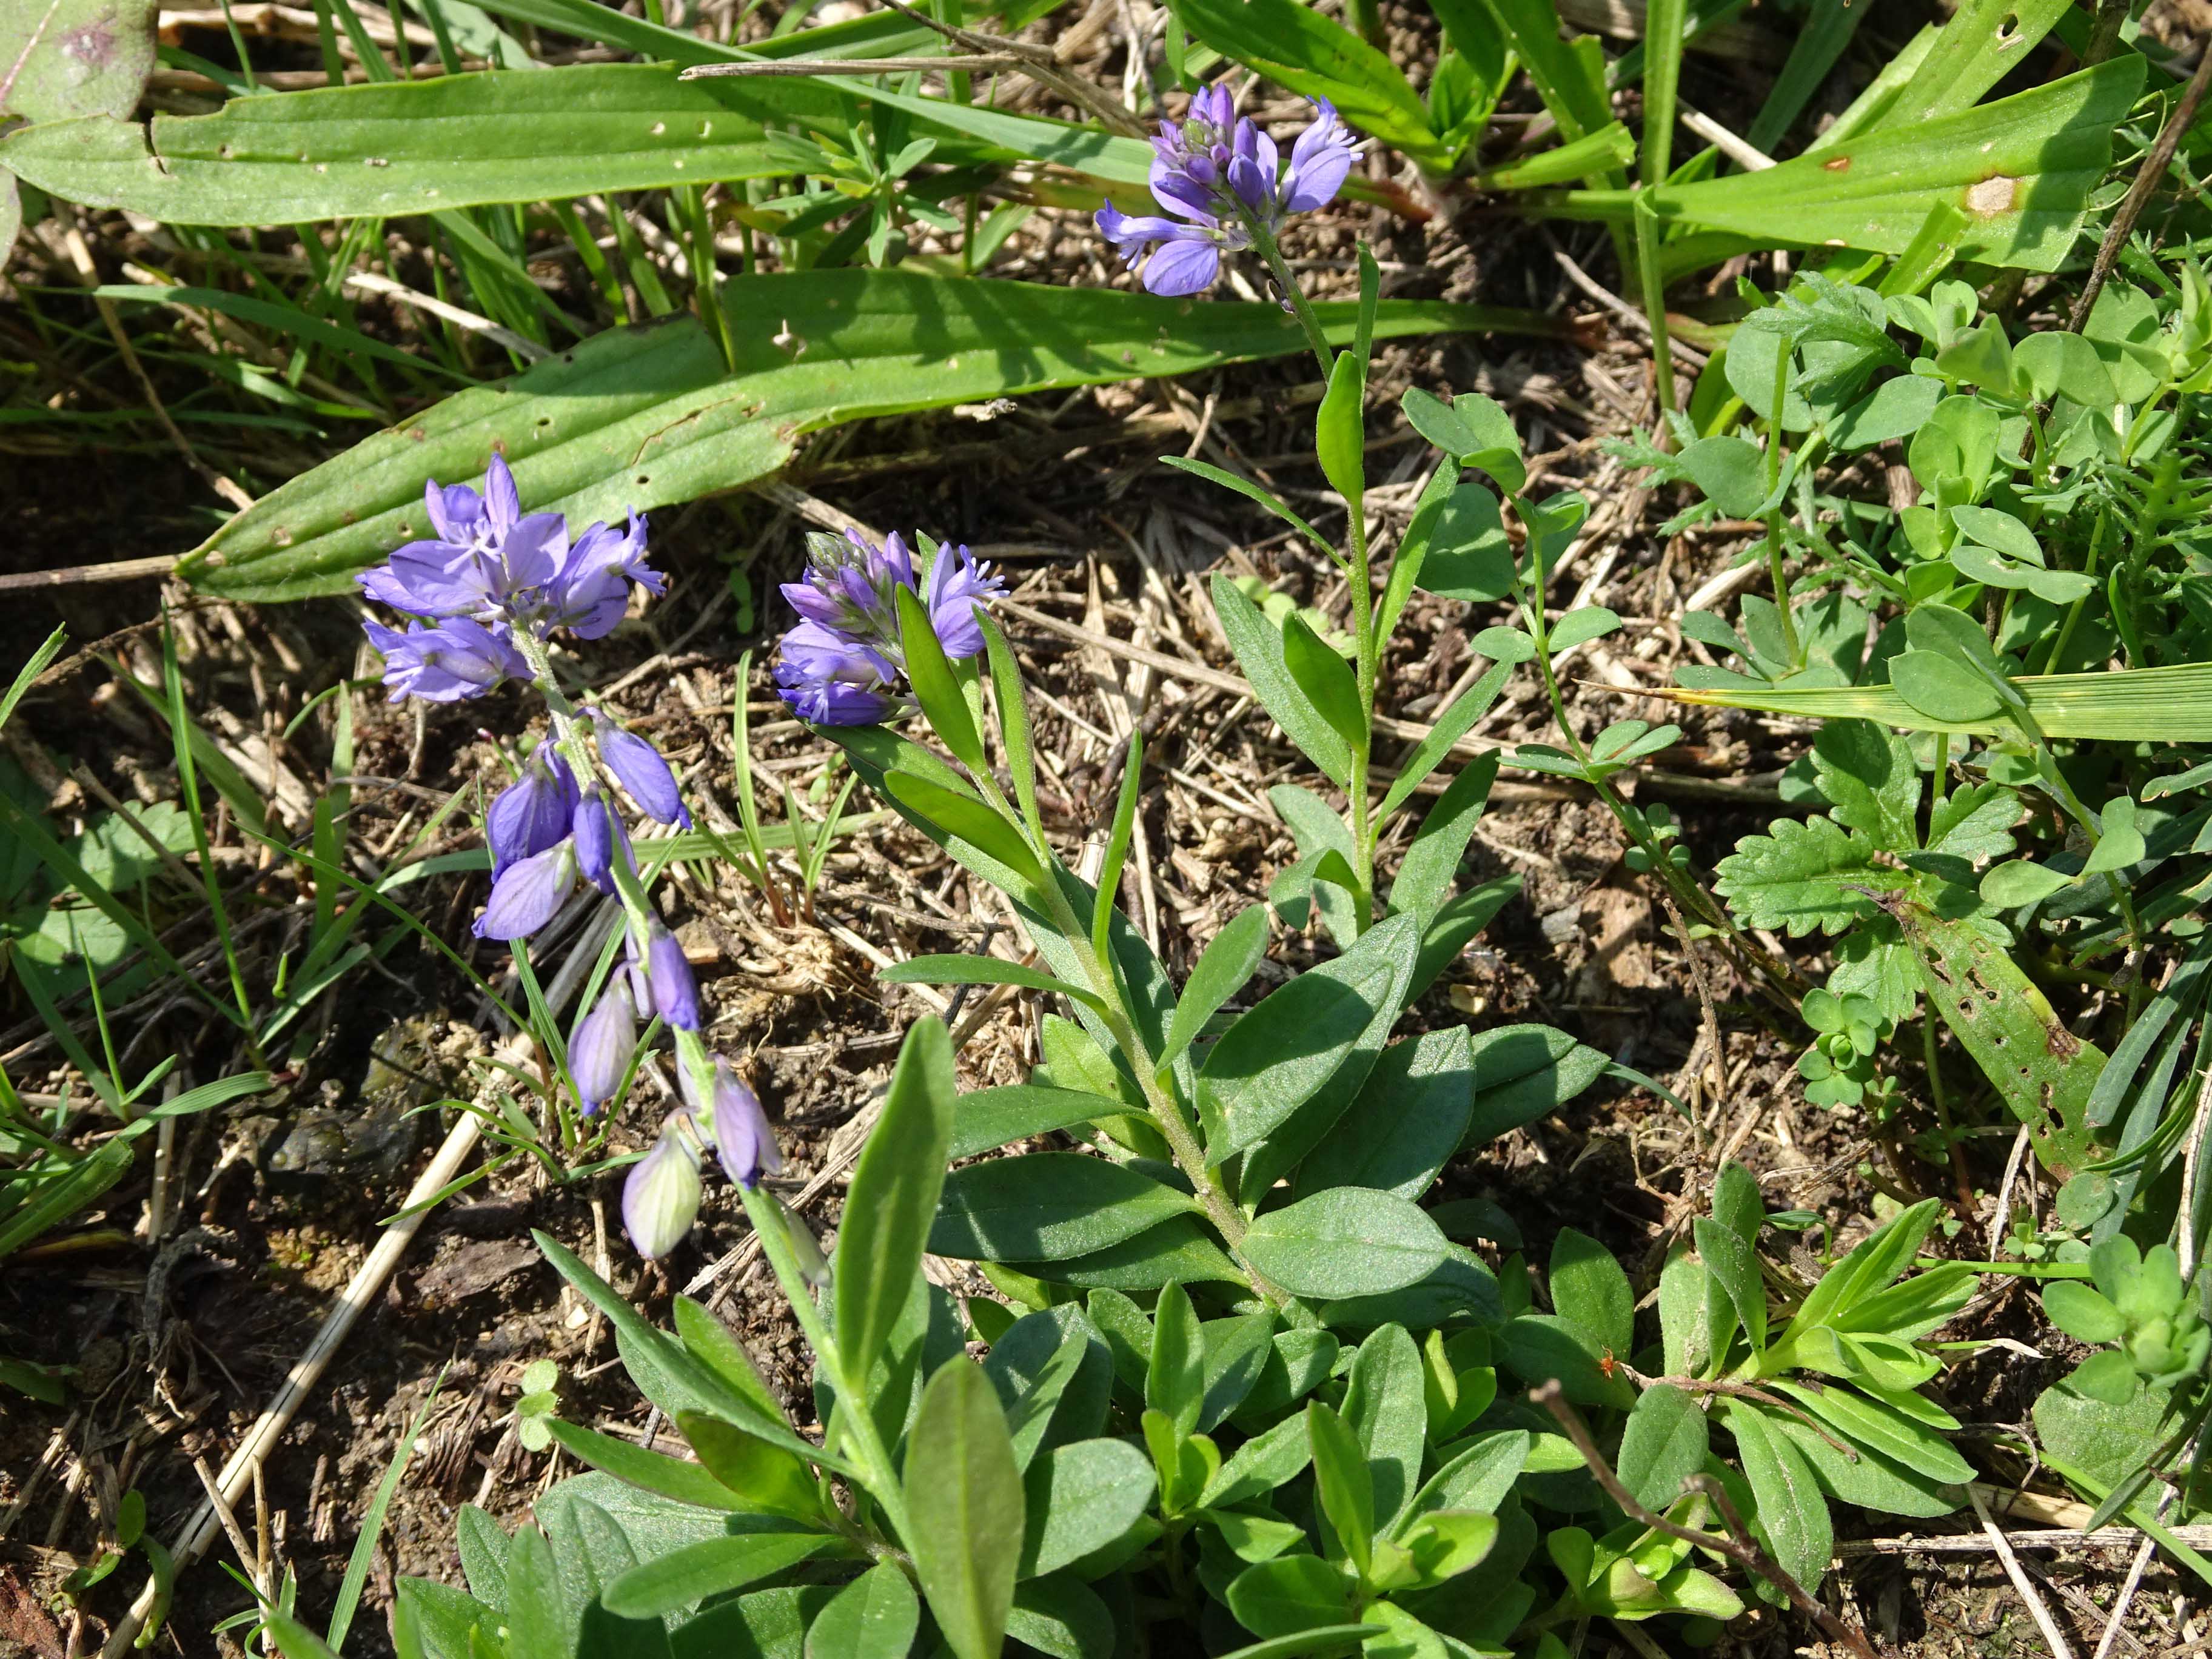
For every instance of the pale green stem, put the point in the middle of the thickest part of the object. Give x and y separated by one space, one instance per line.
853 1422
1294 296
1182 1136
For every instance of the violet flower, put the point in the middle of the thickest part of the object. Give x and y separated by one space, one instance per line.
600 1048
642 769
456 659
528 894
737 1126
1223 178
533 812
675 992
841 664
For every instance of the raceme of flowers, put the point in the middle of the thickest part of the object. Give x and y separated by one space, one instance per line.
841 665
1221 174
482 595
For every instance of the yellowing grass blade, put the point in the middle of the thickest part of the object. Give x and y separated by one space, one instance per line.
2125 705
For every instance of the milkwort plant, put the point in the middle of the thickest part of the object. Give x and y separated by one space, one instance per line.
1246 1389
483 595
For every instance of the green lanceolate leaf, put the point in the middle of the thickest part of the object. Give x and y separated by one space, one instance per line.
1259 648
1791 1510
943 704
990 1118
2043 1072
1175 1380
1591 1292
638 417
874 1617
1408 1119
690 1575
982 971
1340 431
1664 1443
1048 1207
1223 969
964 1495
1081 1498
1312 1040
894 1197
1345 1242
1341 1480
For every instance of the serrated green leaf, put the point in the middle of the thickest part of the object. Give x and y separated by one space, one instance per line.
1798 878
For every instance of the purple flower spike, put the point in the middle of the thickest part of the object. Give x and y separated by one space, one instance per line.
533 812
639 768
1223 178
675 992
456 659
958 586
591 590
660 1198
600 1048
528 894
737 1126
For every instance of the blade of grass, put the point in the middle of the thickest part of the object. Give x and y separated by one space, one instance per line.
188 781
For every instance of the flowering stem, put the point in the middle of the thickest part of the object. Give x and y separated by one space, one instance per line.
1294 298
569 739
1166 1111
852 1420
1365 648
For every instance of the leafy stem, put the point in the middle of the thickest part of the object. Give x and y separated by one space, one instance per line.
852 1420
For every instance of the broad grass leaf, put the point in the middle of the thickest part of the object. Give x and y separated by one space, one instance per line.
1046 1207
1345 1242
2022 167
1315 57
894 1197
964 1496
640 417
